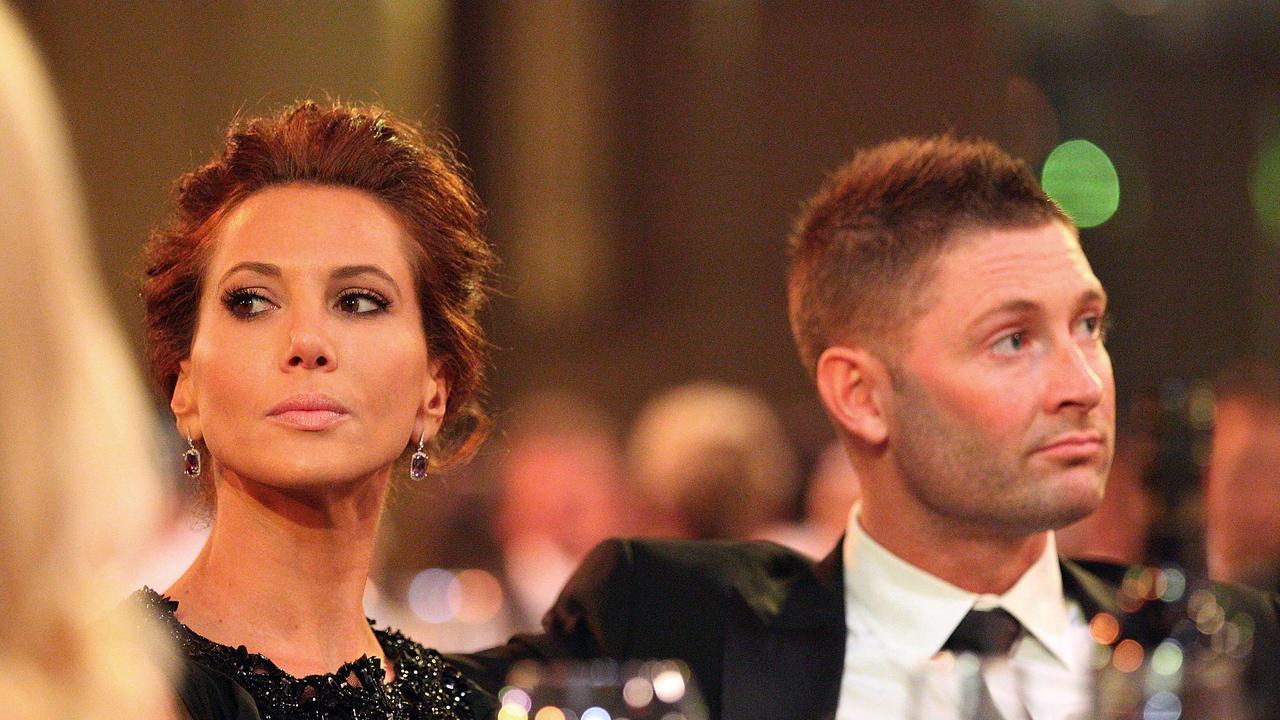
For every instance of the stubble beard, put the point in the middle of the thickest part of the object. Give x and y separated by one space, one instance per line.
969 482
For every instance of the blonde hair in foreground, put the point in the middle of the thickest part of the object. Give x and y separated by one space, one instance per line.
77 491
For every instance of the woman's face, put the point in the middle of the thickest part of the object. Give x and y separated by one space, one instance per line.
309 364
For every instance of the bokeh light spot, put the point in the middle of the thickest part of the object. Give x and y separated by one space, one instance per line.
516 697
1167 658
1083 180
668 685
512 712
1104 628
1210 619
1175 585
1127 656
1163 705
1100 657
638 692
1246 624
1264 186
428 595
549 713
595 713
475 596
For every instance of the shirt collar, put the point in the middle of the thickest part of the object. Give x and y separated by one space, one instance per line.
913 612
1037 601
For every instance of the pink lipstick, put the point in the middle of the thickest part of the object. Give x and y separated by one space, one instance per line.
309 411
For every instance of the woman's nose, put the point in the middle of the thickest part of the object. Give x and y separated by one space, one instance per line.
308 350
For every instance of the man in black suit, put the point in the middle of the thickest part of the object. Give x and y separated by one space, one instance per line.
953 327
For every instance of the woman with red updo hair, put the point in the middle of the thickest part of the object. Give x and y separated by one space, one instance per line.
311 316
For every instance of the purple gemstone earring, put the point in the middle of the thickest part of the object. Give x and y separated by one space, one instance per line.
191 459
418 463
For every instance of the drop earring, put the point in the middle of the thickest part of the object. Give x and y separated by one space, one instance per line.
418 463
191 459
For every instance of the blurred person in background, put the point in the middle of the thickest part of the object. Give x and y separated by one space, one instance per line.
311 309
1120 530
707 460
558 496
540 496
1242 485
79 493
830 493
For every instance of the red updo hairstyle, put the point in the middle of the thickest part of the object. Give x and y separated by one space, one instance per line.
361 147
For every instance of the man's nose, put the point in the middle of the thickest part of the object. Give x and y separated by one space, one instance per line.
1076 378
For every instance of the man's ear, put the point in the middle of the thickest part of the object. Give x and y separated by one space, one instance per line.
186 411
853 385
435 398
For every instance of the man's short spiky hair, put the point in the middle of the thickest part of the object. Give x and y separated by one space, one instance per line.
865 243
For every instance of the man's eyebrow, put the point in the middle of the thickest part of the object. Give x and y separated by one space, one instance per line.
1026 307
1010 307
1094 295
259 267
350 271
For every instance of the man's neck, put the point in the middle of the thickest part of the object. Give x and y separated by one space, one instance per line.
978 561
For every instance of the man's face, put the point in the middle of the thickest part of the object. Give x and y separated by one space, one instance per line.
1003 408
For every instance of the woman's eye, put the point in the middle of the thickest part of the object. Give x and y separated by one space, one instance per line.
245 303
1011 343
361 302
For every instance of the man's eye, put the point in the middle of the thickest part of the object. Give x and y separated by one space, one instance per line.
1011 343
245 303
361 302
1094 326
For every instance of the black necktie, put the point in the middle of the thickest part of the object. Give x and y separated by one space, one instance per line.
986 633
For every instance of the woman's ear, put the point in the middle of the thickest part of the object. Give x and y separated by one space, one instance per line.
853 384
186 412
435 398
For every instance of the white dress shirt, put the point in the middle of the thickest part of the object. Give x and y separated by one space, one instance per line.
898 617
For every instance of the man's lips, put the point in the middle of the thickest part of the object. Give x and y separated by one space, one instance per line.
1073 444
308 411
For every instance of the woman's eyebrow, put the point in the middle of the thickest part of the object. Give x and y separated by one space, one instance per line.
258 267
350 271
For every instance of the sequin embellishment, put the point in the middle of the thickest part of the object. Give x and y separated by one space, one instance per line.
424 688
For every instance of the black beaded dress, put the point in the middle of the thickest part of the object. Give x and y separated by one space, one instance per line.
226 683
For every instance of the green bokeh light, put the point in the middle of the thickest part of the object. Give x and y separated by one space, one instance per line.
1083 180
1264 186
1167 658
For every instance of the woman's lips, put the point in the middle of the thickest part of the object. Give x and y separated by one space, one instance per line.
309 419
309 411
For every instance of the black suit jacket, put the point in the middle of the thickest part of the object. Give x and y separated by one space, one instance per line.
763 629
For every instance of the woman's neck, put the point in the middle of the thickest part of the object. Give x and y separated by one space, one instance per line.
284 573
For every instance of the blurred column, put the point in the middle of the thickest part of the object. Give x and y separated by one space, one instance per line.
551 176
416 45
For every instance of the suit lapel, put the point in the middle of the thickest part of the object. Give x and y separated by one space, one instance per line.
1094 592
784 646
